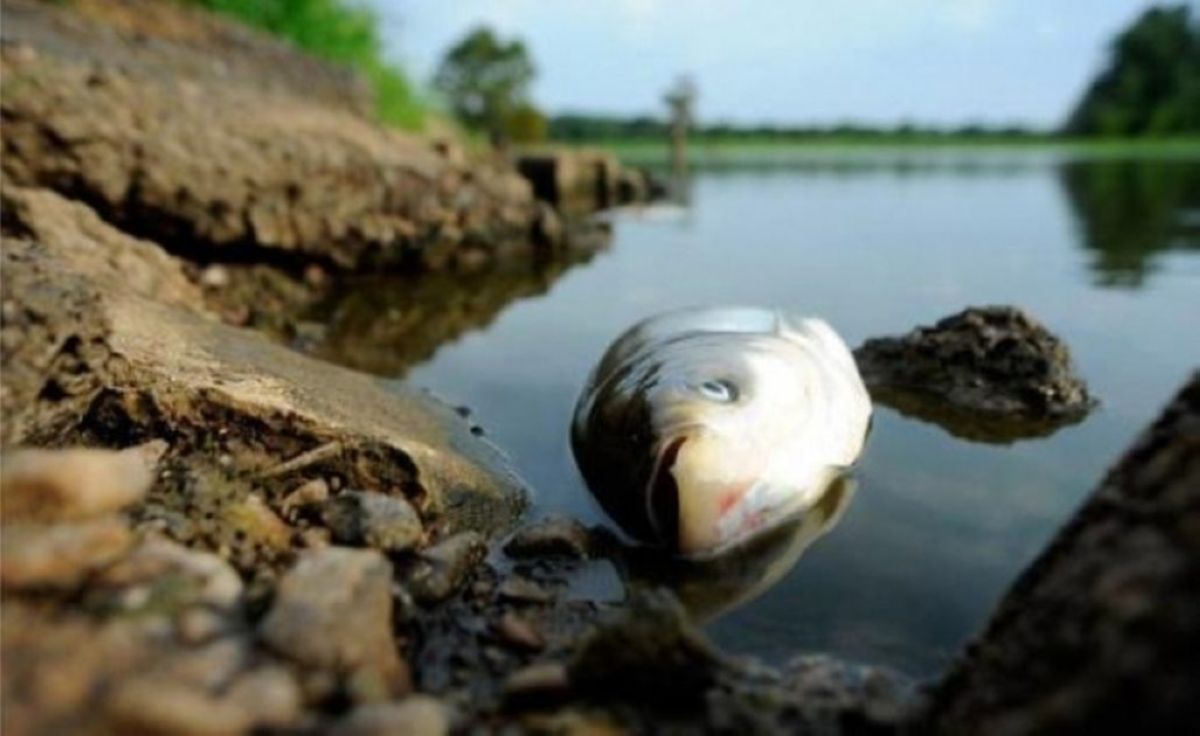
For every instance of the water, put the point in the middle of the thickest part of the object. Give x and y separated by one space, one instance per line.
1106 252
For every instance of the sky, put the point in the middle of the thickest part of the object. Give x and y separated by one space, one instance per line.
942 62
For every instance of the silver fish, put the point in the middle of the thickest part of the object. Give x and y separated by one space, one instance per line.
703 428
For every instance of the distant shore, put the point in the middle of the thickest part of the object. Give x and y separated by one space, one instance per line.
769 151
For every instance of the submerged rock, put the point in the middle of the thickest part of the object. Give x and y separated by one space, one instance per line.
989 373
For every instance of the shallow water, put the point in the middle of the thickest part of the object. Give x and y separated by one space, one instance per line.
1106 252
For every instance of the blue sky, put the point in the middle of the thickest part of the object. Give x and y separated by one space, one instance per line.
803 61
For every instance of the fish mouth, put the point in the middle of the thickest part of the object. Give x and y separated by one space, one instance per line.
662 494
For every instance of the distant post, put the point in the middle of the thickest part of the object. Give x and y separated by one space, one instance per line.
680 100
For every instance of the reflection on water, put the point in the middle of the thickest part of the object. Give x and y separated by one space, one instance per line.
711 588
385 325
1129 211
940 525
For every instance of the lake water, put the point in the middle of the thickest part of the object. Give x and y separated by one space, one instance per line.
1105 251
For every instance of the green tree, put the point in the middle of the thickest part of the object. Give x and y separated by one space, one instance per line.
526 124
485 80
1151 85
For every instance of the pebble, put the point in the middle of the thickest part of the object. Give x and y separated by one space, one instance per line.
523 590
520 633
75 484
310 493
153 705
333 610
539 681
444 567
59 556
553 536
270 693
211 581
416 715
371 519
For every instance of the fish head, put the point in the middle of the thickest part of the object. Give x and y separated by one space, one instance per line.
696 436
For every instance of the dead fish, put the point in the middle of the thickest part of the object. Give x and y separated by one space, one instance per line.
702 428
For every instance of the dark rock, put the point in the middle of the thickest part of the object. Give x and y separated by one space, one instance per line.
333 611
537 684
518 632
523 590
445 567
1100 633
649 652
377 520
550 537
990 373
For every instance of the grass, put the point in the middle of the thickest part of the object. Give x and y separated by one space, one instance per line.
710 152
338 31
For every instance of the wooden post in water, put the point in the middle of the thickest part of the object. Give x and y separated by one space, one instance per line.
680 99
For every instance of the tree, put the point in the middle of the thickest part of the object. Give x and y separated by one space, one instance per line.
526 124
485 80
1152 83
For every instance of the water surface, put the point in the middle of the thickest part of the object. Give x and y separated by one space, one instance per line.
1106 252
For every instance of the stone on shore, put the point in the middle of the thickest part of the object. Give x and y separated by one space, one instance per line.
94 354
333 611
76 483
369 519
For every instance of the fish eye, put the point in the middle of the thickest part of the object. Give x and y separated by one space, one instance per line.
719 390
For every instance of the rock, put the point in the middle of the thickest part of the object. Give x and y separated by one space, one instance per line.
269 694
552 536
252 518
77 483
149 705
538 683
573 180
1100 632
523 590
416 715
371 519
61 555
831 690
333 611
991 373
649 652
518 632
237 163
307 495
130 355
445 566
193 577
